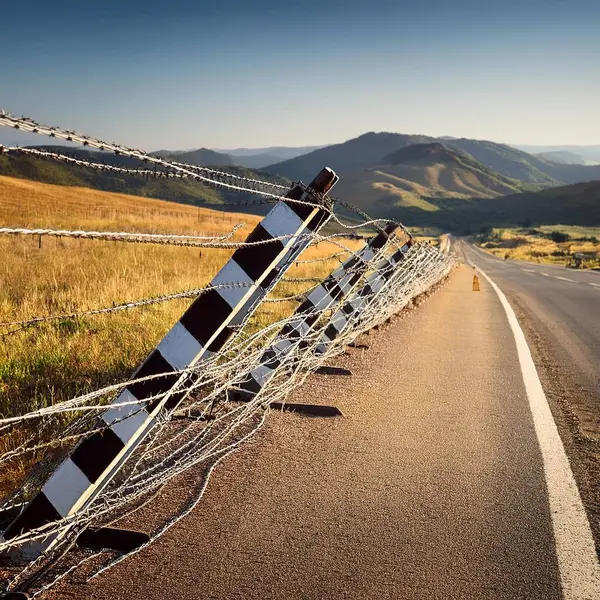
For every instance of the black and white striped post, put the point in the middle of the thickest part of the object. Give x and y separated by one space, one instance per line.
292 336
384 272
203 330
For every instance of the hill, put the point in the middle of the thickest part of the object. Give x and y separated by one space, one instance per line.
576 204
355 154
202 157
188 192
369 150
422 177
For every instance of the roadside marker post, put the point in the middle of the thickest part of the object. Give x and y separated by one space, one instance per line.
291 338
206 326
475 283
384 272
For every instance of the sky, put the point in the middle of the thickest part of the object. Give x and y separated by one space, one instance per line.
233 73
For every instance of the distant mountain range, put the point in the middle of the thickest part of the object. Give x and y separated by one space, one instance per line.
589 154
369 149
201 157
563 156
421 180
256 158
253 158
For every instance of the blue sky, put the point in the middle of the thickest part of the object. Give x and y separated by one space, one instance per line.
175 74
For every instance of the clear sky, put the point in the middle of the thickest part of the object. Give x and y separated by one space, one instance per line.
230 73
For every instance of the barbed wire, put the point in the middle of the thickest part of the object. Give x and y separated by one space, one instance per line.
215 423
186 294
213 177
175 451
195 170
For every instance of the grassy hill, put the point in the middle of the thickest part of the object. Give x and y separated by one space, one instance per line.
43 365
423 177
369 150
188 192
354 155
577 204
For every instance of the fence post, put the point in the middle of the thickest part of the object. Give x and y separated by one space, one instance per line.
385 271
204 329
292 335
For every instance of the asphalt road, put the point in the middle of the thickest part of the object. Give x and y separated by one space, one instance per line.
431 486
563 306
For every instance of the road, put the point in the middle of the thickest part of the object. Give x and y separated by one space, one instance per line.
564 306
560 311
431 486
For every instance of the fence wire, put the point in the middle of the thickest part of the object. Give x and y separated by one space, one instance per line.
209 423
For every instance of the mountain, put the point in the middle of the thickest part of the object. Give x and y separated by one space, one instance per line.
562 156
256 158
353 155
526 167
202 157
590 154
369 149
425 177
177 190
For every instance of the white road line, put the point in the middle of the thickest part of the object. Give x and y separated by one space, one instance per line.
563 278
575 551
544 274
595 284
530 270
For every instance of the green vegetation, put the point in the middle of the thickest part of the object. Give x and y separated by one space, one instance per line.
183 191
552 245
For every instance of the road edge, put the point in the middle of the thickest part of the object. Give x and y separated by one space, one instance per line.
575 549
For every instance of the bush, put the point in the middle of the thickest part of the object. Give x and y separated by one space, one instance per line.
559 237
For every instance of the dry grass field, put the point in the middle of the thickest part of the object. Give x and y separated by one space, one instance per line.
42 365
543 245
49 363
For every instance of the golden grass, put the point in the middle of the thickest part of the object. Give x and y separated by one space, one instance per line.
46 364
524 244
50 363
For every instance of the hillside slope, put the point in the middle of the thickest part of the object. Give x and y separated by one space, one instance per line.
423 176
576 204
54 172
355 154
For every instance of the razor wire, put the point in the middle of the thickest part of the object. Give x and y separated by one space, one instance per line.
208 424
220 179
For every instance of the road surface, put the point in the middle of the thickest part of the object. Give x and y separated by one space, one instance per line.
564 305
431 486
560 311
